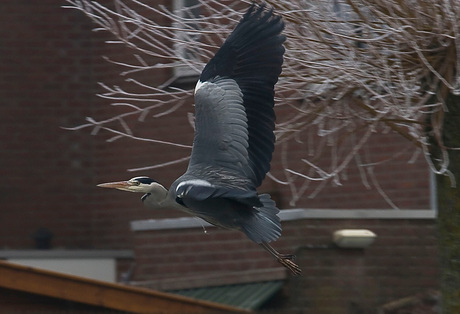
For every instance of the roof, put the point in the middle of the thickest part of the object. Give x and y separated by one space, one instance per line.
101 293
249 296
247 289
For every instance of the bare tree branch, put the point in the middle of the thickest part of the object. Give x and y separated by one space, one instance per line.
353 69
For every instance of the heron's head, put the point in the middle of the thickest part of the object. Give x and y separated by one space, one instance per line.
136 184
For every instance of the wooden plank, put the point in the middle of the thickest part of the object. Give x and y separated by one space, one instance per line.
100 293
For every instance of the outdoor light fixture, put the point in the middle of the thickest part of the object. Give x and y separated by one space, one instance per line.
353 238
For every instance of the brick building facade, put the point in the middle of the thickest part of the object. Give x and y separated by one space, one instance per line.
50 65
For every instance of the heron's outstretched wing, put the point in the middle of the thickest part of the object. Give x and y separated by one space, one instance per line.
221 131
234 100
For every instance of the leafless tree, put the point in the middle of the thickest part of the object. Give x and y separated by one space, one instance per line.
353 69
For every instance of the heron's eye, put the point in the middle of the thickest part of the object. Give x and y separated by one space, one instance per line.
135 182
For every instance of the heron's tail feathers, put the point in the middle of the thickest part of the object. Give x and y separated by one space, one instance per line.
264 225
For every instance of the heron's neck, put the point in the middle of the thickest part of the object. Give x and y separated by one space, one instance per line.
156 197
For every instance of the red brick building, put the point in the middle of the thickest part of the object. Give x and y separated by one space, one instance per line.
50 66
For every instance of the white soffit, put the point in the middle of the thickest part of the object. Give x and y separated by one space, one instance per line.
289 215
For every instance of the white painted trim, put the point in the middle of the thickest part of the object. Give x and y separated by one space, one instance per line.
168 223
64 254
289 215
296 214
180 48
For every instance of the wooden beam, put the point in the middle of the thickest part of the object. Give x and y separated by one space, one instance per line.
101 293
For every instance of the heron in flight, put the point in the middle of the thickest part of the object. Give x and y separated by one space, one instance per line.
234 140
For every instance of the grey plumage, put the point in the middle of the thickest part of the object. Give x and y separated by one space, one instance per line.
234 140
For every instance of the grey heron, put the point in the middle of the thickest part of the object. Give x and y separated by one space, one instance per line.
234 139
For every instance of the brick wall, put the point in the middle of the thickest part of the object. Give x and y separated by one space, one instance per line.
46 82
401 262
397 169
50 63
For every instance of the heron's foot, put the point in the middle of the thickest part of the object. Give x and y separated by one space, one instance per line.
287 256
287 260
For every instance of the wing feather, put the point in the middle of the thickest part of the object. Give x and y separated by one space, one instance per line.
234 123
221 130
239 82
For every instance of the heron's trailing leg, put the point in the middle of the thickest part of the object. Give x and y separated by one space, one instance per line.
285 259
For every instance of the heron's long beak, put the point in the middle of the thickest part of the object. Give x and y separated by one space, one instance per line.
121 185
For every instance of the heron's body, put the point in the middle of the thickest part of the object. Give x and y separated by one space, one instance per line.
234 140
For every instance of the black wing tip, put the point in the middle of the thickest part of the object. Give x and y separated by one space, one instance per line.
259 28
263 12
259 7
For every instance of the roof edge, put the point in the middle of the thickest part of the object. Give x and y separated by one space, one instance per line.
101 293
214 279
